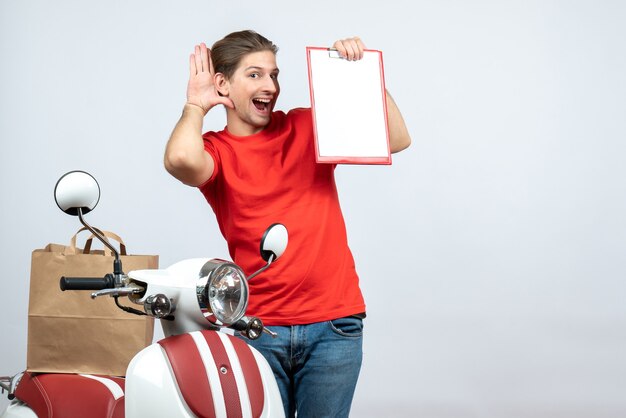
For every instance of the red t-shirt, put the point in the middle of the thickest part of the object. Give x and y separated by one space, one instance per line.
271 177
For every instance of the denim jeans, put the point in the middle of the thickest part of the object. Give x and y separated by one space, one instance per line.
316 365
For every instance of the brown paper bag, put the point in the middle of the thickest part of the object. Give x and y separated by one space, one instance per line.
68 332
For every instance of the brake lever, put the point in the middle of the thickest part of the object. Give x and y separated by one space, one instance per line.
119 291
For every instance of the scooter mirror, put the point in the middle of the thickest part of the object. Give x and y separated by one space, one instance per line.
77 190
274 242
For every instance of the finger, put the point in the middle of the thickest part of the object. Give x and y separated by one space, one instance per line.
340 48
357 47
351 49
204 57
192 65
226 102
360 46
211 69
198 59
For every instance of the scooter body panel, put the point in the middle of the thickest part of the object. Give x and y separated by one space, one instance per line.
158 385
151 390
18 409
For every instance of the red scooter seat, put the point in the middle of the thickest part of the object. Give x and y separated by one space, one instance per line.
72 395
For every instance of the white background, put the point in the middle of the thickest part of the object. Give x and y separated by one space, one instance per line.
491 253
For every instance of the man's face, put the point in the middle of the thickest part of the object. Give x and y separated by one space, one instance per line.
254 89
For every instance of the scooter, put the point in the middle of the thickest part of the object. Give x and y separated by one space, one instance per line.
196 371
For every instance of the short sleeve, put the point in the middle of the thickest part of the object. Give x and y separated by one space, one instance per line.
210 148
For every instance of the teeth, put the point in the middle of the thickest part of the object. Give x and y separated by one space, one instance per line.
263 100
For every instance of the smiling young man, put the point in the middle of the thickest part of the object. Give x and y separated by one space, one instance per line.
259 170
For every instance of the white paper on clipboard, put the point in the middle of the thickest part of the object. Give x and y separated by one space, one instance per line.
349 107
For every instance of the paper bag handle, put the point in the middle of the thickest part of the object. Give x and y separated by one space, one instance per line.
107 234
87 250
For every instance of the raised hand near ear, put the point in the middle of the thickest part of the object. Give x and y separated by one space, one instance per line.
201 89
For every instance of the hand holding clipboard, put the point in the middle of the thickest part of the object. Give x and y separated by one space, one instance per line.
348 100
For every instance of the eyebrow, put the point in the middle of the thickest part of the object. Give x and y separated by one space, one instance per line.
254 67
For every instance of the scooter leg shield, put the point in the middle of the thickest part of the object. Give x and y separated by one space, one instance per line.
204 374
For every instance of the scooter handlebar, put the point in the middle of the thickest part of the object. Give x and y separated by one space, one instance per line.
86 283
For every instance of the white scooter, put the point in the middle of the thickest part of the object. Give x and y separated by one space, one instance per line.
196 371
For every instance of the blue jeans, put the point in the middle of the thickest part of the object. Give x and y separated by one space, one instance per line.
316 365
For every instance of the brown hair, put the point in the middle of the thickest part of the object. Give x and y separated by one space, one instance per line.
228 52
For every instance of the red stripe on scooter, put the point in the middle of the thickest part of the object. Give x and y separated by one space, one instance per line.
252 375
190 374
227 379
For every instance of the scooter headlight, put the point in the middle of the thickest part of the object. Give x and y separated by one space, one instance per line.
222 292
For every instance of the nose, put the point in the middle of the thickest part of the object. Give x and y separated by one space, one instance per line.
270 85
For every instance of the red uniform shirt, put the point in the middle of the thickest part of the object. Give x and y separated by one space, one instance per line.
272 177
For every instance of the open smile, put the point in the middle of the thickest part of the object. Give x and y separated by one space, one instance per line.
262 105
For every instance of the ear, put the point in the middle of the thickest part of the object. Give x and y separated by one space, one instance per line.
221 84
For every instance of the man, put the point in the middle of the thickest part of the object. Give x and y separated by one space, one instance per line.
261 170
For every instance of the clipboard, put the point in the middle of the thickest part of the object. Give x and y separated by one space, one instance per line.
348 102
